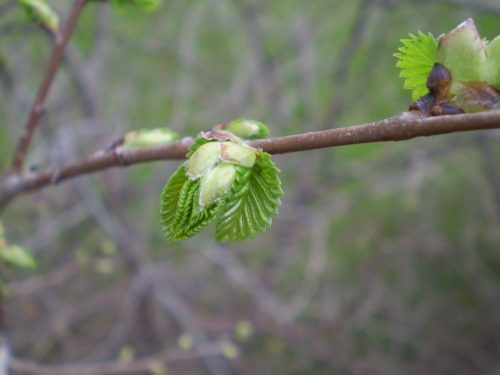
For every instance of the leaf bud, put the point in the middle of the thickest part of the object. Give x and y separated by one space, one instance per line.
240 154
203 159
248 129
216 183
149 137
463 52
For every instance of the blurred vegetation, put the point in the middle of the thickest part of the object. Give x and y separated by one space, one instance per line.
385 257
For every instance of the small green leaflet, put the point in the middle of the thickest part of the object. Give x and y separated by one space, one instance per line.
252 202
242 197
416 57
170 198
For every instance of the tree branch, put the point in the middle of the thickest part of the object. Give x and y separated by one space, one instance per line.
118 367
61 40
399 128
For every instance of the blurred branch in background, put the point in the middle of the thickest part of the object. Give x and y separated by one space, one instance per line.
37 108
151 364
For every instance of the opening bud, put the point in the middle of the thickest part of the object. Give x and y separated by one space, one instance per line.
462 51
216 182
248 129
236 153
203 159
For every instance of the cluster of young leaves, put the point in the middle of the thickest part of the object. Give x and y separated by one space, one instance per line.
14 255
40 12
226 181
473 62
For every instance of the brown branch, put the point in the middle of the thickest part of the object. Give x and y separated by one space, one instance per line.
61 40
118 367
399 128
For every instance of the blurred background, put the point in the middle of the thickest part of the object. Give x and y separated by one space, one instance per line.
385 258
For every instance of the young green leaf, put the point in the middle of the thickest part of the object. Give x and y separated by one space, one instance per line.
186 217
170 197
252 202
186 205
199 220
41 13
415 59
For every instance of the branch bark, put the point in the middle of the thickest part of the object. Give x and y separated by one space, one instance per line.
398 128
36 111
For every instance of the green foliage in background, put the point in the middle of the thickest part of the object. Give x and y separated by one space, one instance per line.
14 255
148 5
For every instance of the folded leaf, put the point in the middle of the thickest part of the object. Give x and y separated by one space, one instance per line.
170 197
251 204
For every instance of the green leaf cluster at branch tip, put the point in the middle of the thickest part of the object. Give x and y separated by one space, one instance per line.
226 181
40 12
459 72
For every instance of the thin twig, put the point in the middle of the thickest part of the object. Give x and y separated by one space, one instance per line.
117 367
36 111
399 128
